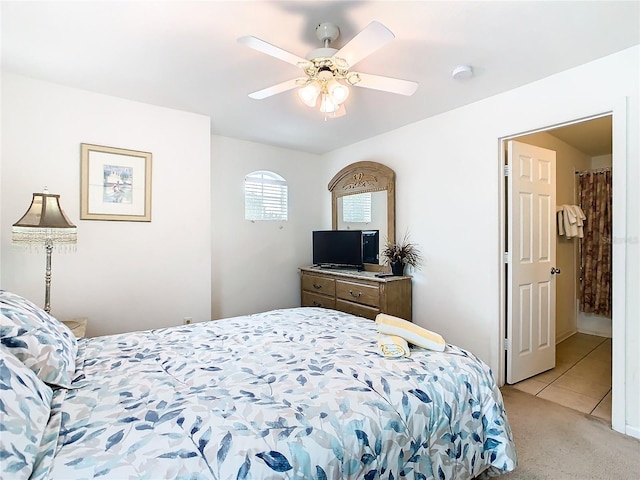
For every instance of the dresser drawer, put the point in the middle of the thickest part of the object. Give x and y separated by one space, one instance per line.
358 292
357 309
310 299
314 283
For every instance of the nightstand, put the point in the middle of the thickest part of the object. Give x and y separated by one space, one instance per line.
77 325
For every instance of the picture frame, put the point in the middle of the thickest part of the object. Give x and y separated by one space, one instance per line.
115 184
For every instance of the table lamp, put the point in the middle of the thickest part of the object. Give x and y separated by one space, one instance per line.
45 224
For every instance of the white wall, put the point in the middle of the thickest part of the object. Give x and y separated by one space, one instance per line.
601 161
448 196
125 275
255 264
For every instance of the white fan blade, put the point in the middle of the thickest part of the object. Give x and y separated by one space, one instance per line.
387 84
265 47
275 89
373 37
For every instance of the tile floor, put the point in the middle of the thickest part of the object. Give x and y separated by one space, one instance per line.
581 379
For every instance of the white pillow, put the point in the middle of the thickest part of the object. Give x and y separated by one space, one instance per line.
40 341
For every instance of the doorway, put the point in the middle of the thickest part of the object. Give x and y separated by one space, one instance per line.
581 379
567 325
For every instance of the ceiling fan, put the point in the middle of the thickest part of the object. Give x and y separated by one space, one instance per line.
327 70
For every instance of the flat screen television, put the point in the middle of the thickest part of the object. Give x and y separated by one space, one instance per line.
339 247
371 246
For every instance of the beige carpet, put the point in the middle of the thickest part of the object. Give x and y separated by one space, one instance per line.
557 443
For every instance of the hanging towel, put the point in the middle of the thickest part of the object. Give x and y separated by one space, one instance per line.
571 221
393 346
580 218
570 225
560 222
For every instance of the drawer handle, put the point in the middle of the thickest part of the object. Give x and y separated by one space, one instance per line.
356 295
316 286
317 304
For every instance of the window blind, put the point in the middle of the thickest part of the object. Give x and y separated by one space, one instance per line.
357 208
265 196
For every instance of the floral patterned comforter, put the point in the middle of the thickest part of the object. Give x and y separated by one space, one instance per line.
300 394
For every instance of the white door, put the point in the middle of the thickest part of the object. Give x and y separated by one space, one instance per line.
531 290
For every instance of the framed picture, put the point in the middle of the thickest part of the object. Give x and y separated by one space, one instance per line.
115 184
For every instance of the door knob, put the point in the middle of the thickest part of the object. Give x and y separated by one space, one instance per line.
555 271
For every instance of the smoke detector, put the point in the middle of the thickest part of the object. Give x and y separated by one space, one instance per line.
462 72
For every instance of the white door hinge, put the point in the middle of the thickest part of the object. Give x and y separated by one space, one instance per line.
506 344
507 170
506 257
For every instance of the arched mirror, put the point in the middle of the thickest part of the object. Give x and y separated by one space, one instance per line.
363 197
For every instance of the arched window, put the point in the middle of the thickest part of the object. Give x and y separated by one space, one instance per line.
265 196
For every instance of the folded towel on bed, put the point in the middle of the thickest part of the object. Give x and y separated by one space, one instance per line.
412 333
393 346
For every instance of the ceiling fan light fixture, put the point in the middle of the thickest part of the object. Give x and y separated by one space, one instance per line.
325 74
353 78
326 105
309 93
338 92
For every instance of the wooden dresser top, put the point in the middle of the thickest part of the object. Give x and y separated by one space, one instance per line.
351 273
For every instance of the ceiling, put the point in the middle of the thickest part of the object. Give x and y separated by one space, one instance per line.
593 137
185 55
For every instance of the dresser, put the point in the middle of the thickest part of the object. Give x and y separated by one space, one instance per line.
359 293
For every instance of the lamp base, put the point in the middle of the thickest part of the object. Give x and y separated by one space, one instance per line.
47 278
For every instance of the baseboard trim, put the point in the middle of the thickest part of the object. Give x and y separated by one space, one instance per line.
564 336
632 431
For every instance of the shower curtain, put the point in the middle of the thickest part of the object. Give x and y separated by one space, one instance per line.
595 193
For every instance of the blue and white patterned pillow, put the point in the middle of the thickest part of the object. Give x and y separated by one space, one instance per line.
41 342
25 405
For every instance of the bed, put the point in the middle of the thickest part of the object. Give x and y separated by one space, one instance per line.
300 393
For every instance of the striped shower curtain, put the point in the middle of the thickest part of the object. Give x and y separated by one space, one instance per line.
595 193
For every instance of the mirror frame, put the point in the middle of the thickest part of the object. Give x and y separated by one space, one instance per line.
361 177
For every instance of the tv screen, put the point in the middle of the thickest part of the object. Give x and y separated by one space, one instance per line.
370 246
337 248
